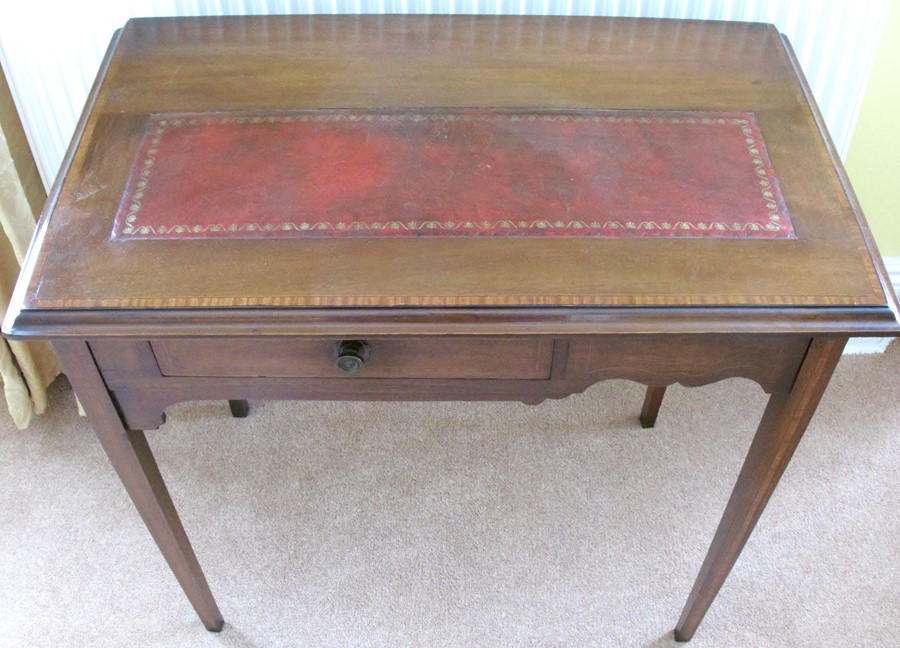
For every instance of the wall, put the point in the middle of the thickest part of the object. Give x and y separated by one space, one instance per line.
873 159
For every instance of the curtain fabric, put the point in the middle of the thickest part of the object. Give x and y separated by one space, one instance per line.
26 368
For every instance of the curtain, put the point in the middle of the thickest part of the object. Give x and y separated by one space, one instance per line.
26 368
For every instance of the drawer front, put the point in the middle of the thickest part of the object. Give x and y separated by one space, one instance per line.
510 358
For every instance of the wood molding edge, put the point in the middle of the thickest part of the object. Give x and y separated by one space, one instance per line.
877 345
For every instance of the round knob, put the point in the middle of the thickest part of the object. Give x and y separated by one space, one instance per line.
351 356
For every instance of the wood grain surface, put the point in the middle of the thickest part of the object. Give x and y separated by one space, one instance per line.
359 62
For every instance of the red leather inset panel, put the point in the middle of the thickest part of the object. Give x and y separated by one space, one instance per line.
448 172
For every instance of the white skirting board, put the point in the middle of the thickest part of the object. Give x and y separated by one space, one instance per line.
877 345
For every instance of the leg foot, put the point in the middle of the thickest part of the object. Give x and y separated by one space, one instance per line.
652 402
217 627
239 408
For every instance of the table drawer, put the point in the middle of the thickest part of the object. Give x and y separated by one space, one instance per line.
409 357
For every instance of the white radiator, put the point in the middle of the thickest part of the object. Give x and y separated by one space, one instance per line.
51 51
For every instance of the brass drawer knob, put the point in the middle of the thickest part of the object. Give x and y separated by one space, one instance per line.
351 356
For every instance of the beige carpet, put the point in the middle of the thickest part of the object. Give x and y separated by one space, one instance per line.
328 524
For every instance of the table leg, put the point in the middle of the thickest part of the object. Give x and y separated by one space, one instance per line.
239 408
131 457
783 423
652 401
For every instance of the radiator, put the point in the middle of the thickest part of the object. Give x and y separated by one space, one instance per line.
51 54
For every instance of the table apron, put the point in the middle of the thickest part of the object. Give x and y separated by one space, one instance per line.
506 368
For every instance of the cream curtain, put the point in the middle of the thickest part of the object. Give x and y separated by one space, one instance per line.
26 368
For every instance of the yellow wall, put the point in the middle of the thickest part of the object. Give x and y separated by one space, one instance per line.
873 160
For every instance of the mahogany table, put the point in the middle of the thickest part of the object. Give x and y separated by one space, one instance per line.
458 208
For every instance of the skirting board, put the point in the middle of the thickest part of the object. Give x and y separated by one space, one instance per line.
877 345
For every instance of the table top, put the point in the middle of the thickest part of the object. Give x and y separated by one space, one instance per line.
450 174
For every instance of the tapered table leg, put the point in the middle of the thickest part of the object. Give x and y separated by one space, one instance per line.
652 402
783 423
131 457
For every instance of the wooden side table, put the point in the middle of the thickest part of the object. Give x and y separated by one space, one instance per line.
421 207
